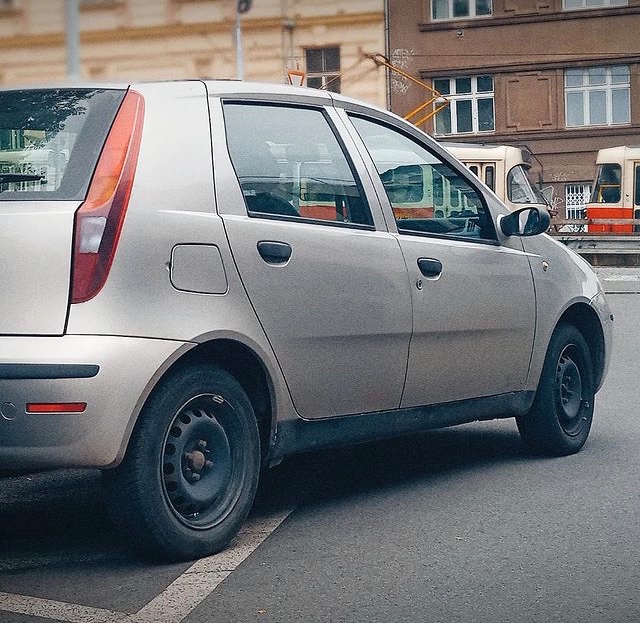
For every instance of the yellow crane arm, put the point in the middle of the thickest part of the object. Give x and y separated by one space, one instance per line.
434 96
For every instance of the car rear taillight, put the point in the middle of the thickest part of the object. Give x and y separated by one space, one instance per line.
99 219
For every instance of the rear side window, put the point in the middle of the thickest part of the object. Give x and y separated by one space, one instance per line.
50 140
290 163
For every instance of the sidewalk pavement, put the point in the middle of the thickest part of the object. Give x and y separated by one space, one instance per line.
619 279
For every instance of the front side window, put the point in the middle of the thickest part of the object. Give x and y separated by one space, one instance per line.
597 95
323 68
453 9
608 185
591 4
290 164
427 195
470 109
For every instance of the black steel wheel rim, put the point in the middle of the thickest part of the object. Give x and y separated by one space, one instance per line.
569 392
202 461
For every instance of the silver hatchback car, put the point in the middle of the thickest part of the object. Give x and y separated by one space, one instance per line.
201 278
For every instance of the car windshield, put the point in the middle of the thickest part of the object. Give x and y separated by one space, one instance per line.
50 140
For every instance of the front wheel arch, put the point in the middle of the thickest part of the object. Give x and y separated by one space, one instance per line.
586 320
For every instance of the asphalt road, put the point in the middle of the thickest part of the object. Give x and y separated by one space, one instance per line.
458 525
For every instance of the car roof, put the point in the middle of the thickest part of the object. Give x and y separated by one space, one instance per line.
242 87
215 87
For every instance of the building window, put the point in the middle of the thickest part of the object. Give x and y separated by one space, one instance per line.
569 5
323 68
452 9
597 96
576 197
470 108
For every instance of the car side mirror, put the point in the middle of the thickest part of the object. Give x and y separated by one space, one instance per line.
525 222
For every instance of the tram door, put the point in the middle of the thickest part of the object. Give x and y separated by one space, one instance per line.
636 194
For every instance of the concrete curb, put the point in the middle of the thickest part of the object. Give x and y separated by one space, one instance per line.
619 280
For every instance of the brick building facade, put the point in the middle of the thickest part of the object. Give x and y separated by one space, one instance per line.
561 77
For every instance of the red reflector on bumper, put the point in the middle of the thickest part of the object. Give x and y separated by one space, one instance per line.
56 407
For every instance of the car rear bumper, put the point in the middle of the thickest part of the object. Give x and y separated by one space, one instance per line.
112 375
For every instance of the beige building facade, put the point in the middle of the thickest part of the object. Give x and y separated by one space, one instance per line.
166 39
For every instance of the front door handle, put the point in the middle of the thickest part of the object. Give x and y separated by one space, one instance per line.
429 267
273 252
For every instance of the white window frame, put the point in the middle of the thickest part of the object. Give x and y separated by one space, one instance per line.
474 97
586 89
589 4
470 13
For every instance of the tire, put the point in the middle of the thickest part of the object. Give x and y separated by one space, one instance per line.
560 418
191 470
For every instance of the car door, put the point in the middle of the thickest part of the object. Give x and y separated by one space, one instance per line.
473 297
326 280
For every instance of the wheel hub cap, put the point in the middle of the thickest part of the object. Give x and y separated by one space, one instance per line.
568 392
195 483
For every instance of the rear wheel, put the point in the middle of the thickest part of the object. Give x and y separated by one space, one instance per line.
560 418
191 471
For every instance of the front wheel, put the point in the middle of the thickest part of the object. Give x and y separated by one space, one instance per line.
560 418
191 471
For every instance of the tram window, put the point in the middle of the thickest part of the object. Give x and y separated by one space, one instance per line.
438 190
474 169
608 183
636 200
490 176
404 183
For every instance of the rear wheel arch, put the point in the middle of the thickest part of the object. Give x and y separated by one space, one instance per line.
244 365
189 478
247 368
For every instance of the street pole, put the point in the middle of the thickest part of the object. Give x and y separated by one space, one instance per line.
239 59
73 40
242 6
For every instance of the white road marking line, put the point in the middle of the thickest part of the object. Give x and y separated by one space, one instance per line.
203 576
175 602
57 610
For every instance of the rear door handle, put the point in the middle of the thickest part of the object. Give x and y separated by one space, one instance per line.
273 252
429 267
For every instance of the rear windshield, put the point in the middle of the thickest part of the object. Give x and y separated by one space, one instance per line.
50 140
